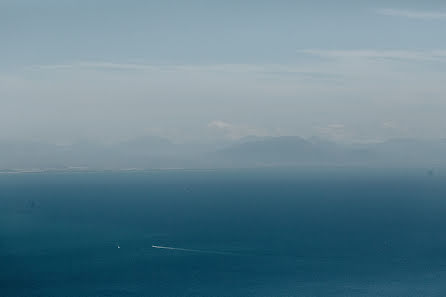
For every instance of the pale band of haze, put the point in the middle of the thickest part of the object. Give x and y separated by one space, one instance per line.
110 71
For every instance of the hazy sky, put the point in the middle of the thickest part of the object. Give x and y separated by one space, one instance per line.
205 70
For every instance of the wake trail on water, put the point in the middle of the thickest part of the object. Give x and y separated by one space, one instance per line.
191 250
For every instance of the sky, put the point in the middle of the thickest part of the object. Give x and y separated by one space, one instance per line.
107 71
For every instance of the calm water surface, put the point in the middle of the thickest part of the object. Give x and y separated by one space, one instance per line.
264 232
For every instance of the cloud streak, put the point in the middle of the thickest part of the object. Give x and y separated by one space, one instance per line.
413 14
432 55
235 131
271 70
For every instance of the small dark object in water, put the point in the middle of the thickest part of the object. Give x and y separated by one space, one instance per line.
430 172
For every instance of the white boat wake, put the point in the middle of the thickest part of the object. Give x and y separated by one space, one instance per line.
190 250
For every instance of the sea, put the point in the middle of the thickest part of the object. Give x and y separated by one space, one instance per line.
266 232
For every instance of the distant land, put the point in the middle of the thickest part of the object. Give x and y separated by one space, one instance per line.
160 153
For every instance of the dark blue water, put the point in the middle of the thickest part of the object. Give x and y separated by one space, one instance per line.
275 232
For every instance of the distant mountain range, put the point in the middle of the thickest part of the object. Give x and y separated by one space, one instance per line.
253 151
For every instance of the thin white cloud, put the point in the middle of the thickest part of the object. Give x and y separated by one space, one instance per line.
235 131
413 14
97 65
219 125
431 55
260 69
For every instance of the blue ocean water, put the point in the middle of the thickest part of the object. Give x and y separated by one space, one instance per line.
257 232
